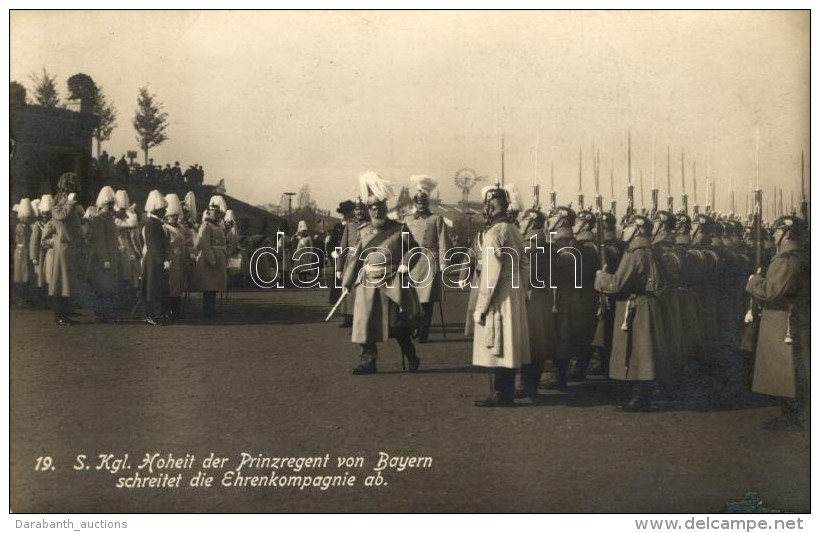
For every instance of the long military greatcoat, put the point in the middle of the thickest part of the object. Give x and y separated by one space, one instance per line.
66 235
783 369
38 253
540 316
637 352
576 299
430 232
211 269
102 249
476 265
503 340
154 276
373 274
128 254
23 271
347 243
178 253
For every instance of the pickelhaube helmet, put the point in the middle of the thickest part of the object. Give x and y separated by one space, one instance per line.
535 218
642 224
561 217
585 219
790 224
664 220
495 193
610 221
683 223
703 223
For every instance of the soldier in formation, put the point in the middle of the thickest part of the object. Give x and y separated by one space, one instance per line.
104 258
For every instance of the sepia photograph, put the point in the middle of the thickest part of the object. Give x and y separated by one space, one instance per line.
266 262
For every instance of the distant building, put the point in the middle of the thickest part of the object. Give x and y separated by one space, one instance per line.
47 142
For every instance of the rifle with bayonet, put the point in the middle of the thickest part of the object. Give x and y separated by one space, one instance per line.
600 230
695 209
804 205
612 188
684 199
753 313
752 318
580 180
630 189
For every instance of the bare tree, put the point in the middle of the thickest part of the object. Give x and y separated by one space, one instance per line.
150 122
45 89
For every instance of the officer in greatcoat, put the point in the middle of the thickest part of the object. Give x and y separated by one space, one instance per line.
334 240
782 363
180 247
344 256
129 256
155 261
386 305
211 269
501 337
430 232
102 257
65 234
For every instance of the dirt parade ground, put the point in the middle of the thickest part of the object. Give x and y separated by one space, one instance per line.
257 411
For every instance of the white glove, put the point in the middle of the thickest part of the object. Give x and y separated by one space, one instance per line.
402 269
478 317
334 254
107 265
338 275
166 265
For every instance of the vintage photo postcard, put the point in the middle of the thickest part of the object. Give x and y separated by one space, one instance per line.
364 261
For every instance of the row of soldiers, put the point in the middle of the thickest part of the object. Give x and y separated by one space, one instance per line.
672 290
651 298
106 257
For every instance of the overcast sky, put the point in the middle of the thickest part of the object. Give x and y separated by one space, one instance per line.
272 100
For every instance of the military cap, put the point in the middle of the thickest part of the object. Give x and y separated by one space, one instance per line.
345 207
